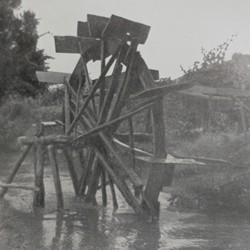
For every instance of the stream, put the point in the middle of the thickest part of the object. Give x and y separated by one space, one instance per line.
87 227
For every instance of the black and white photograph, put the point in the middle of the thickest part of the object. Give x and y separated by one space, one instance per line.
124 124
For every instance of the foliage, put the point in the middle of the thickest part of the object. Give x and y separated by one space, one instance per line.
185 116
214 71
214 186
19 56
18 114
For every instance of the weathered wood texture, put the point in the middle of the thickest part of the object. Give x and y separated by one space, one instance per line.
39 197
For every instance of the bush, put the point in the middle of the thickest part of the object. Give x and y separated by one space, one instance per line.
17 114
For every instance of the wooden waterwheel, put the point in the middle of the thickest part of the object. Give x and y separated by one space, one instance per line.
109 120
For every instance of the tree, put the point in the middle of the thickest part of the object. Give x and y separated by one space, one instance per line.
19 56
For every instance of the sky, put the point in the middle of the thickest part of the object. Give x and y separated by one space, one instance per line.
179 28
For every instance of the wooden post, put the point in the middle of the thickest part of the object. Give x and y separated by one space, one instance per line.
15 169
104 192
102 87
209 114
92 188
112 189
132 152
86 172
56 177
38 199
155 180
66 108
72 171
243 120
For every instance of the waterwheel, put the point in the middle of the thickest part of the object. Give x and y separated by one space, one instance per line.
112 121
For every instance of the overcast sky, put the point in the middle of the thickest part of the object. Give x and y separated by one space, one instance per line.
179 28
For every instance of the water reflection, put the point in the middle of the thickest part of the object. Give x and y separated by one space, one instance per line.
100 229
94 228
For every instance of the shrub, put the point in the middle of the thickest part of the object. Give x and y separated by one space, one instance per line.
17 114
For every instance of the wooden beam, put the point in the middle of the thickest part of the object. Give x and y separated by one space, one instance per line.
38 199
92 92
162 91
113 122
156 176
56 177
131 200
15 169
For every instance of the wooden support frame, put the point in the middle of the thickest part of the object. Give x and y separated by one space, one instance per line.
39 197
56 176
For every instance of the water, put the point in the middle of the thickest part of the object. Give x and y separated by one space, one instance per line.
86 227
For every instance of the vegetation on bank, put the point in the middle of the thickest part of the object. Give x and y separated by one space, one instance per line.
214 187
17 114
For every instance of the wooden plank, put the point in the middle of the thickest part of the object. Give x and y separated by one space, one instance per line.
96 25
139 151
70 44
205 97
52 77
49 139
122 28
56 177
233 92
202 90
162 91
226 92
83 29
165 162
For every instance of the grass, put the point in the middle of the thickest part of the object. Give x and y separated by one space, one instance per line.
214 186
